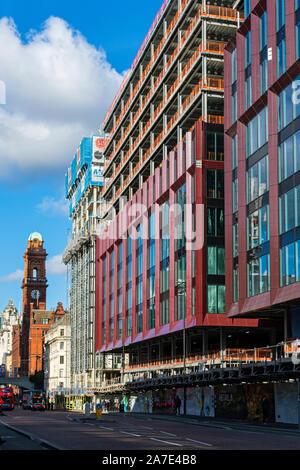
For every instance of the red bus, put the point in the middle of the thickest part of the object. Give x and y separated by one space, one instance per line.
7 398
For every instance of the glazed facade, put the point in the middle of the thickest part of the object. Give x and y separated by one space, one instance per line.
262 162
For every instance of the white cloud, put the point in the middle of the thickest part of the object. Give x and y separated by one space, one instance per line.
13 277
58 89
55 266
52 206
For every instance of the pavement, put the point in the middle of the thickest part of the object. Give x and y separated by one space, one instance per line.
12 437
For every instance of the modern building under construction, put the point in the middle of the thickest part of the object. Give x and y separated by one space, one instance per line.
84 181
160 291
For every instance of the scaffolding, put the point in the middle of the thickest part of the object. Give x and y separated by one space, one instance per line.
278 362
177 78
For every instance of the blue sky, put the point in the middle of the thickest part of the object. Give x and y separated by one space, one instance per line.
62 63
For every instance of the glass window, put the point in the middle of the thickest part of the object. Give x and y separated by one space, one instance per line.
234 86
281 61
235 196
215 222
236 284
280 14
248 88
289 263
257 132
258 227
215 298
234 152
263 37
216 260
263 53
247 8
289 156
215 184
288 104
235 240
258 275
215 146
248 49
289 209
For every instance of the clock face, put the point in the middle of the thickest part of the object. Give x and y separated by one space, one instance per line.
35 294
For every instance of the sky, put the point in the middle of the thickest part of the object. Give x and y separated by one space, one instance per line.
61 66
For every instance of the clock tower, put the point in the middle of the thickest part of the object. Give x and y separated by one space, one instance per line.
34 287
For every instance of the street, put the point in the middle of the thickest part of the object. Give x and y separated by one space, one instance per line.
71 431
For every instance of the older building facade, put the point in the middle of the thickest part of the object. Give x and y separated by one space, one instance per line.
57 360
9 318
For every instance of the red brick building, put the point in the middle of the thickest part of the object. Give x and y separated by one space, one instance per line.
40 322
28 336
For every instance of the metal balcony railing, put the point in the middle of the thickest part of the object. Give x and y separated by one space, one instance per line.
208 83
226 14
204 47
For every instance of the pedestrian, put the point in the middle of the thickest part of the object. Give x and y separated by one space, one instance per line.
265 405
177 405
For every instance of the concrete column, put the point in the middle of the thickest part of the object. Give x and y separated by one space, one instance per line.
165 151
151 138
179 102
165 91
165 27
165 120
204 35
179 134
204 70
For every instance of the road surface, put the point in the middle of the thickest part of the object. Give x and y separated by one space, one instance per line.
69 431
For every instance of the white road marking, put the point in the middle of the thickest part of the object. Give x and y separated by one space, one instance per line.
166 442
199 442
168 433
130 433
103 427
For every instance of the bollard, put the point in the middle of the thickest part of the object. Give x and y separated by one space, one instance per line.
98 411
